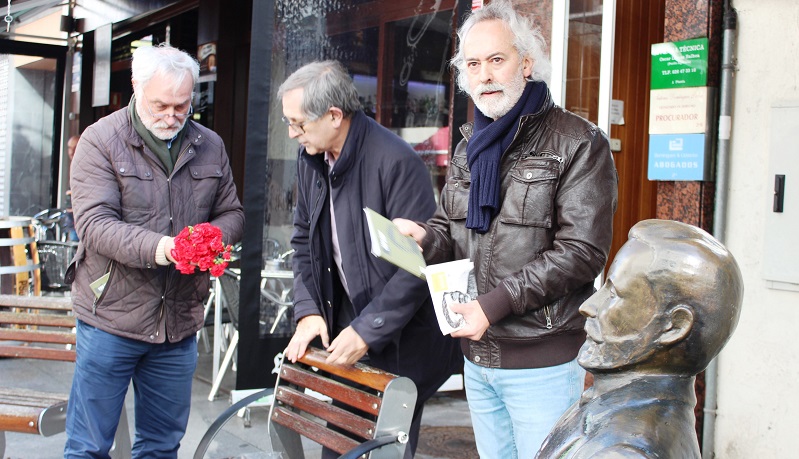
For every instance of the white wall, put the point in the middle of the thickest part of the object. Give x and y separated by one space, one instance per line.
758 413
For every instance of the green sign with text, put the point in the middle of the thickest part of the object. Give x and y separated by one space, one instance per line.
680 64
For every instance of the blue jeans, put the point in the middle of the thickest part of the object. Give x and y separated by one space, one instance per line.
162 376
514 410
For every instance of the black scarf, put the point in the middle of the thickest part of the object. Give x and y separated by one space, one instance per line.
484 150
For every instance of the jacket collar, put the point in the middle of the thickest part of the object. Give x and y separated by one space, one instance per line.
349 152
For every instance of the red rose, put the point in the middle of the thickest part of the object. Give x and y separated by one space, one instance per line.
201 246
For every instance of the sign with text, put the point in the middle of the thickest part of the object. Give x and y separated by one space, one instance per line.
678 157
679 64
678 111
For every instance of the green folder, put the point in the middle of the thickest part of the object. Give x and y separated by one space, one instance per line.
391 245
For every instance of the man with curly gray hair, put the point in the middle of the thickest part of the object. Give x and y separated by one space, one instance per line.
529 198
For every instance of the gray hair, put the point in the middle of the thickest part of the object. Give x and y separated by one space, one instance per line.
149 61
528 40
326 84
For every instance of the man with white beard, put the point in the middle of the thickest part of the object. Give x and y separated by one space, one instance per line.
139 176
529 198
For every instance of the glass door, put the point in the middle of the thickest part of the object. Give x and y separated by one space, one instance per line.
582 57
582 60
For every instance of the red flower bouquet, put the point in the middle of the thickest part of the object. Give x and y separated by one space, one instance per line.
201 246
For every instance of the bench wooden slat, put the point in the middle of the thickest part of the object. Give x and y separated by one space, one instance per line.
56 303
37 336
21 409
29 397
27 352
342 418
356 398
47 320
368 376
309 429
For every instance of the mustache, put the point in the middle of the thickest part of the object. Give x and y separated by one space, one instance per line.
489 87
162 125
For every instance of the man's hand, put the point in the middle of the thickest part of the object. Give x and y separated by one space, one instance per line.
168 246
476 320
410 228
308 328
347 348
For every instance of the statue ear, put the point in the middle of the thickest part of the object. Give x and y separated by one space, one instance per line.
677 326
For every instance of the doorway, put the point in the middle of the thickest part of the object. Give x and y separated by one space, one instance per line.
601 60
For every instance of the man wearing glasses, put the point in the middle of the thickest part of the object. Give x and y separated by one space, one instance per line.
365 305
139 176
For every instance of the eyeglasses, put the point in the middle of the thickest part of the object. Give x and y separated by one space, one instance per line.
161 116
299 128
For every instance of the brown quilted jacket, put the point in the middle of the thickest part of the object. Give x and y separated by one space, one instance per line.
124 203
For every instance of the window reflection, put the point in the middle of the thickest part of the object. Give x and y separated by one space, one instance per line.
582 71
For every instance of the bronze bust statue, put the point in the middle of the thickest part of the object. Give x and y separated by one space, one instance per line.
670 303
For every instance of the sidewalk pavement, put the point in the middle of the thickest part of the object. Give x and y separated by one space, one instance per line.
446 426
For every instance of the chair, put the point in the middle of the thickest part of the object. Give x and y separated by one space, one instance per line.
55 257
228 300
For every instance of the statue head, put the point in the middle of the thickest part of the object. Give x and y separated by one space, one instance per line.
670 303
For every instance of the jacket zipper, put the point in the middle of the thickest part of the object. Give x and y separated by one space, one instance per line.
162 309
551 156
548 315
316 280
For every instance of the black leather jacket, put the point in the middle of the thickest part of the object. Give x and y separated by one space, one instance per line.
550 240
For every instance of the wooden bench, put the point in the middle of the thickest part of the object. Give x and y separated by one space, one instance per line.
36 327
301 407
378 422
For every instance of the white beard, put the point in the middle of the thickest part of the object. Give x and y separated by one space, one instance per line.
495 108
158 127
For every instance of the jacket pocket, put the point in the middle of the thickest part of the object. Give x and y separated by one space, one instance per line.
457 198
205 183
529 199
135 186
533 324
